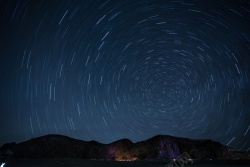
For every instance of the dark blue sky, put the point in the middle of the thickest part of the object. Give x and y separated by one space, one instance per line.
106 70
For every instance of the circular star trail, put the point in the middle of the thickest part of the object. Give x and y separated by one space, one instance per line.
107 70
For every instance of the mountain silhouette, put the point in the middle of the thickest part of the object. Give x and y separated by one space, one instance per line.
158 147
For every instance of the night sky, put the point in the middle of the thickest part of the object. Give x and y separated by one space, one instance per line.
106 70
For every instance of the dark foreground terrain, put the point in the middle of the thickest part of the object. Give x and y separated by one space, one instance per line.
104 163
62 151
158 147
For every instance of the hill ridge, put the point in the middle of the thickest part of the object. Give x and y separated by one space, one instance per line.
156 147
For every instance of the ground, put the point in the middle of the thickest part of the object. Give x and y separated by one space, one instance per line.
96 163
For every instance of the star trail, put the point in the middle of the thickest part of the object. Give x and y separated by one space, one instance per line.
112 69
